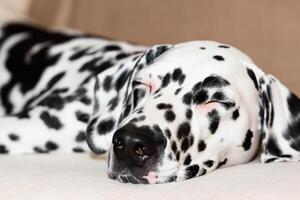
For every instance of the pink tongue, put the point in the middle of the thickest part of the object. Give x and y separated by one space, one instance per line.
151 177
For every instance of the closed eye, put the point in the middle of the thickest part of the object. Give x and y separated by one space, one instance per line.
137 83
226 104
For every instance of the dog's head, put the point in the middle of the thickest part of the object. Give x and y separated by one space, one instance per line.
187 109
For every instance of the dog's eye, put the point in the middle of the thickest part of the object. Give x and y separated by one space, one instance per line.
138 83
226 104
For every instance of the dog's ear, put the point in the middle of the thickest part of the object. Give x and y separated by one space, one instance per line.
279 118
148 58
112 97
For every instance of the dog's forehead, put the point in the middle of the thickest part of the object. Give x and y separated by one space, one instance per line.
193 57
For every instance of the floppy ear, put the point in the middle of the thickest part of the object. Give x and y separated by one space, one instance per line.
112 97
279 119
149 57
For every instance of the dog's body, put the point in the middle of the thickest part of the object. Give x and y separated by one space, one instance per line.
192 107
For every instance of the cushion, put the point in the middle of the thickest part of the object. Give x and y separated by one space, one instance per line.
81 177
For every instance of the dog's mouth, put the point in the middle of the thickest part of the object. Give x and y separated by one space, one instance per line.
151 178
127 178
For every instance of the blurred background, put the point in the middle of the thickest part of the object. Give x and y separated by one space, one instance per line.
267 30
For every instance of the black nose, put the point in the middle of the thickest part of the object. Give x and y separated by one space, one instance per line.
133 145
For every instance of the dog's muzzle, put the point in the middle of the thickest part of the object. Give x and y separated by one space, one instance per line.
136 151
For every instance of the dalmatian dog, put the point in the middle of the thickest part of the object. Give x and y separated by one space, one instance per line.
165 113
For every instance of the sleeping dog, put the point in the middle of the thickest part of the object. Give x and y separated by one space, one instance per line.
163 113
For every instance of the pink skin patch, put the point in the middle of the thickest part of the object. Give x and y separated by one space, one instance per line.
207 107
151 85
151 177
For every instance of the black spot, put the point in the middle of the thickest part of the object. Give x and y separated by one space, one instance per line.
90 126
138 119
177 155
170 116
23 114
273 148
107 83
51 121
183 130
166 80
209 163
106 126
200 97
185 144
203 172
197 87
138 95
85 100
187 160
187 98
111 48
214 82
266 105
157 96
122 55
202 48
222 163
3 149
53 101
60 90
83 117
192 171
191 140
174 146
51 146
189 114
80 136
78 54
214 119
55 79
272 108
181 79
294 104
113 103
218 57
94 66
170 157
162 106
78 150
13 137
157 129
176 74
121 80
168 133
152 54
270 160
177 91
218 96
247 142
40 150
235 114
201 145
223 46
251 74
126 111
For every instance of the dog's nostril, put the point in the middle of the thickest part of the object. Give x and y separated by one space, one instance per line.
140 150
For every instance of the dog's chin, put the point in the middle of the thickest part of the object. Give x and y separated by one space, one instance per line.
127 178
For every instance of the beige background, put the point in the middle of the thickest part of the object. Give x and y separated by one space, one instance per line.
267 30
